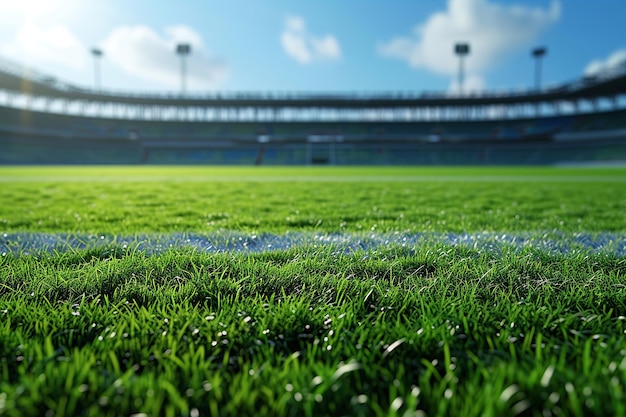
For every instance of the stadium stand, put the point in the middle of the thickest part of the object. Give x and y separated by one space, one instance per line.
44 121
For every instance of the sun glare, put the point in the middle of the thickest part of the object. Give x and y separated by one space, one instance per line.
38 9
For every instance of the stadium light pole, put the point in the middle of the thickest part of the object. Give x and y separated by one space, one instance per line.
183 49
461 50
538 53
97 54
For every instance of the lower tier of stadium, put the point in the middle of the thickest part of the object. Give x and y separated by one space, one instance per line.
30 137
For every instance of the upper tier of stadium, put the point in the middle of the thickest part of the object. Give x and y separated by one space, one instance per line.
31 90
51 122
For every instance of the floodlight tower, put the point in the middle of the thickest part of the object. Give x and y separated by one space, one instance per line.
183 49
97 54
538 53
461 50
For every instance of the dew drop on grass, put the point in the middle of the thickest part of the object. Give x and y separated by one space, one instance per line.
554 397
396 404
508 392
547 376
360 399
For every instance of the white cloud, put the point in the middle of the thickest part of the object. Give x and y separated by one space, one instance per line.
326 47
142 52
54 45
614 60
305 48
492 30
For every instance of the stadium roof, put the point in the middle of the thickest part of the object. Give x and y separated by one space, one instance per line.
607 84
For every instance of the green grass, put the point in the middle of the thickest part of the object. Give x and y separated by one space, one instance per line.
123 200
432 330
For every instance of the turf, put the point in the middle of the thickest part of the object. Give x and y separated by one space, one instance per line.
433 329
123 200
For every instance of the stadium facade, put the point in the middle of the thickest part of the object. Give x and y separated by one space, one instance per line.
44 121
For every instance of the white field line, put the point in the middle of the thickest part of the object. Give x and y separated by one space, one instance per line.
236 242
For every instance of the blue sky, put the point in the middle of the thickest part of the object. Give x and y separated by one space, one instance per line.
313 45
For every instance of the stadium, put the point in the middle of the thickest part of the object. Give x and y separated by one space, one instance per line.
328 252
46 121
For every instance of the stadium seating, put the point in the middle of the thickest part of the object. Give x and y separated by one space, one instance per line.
39 137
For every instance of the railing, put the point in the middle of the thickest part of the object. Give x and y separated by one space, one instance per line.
17 70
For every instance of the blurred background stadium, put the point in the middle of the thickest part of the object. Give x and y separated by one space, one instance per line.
49 120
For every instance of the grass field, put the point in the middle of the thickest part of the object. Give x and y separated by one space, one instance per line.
433 328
